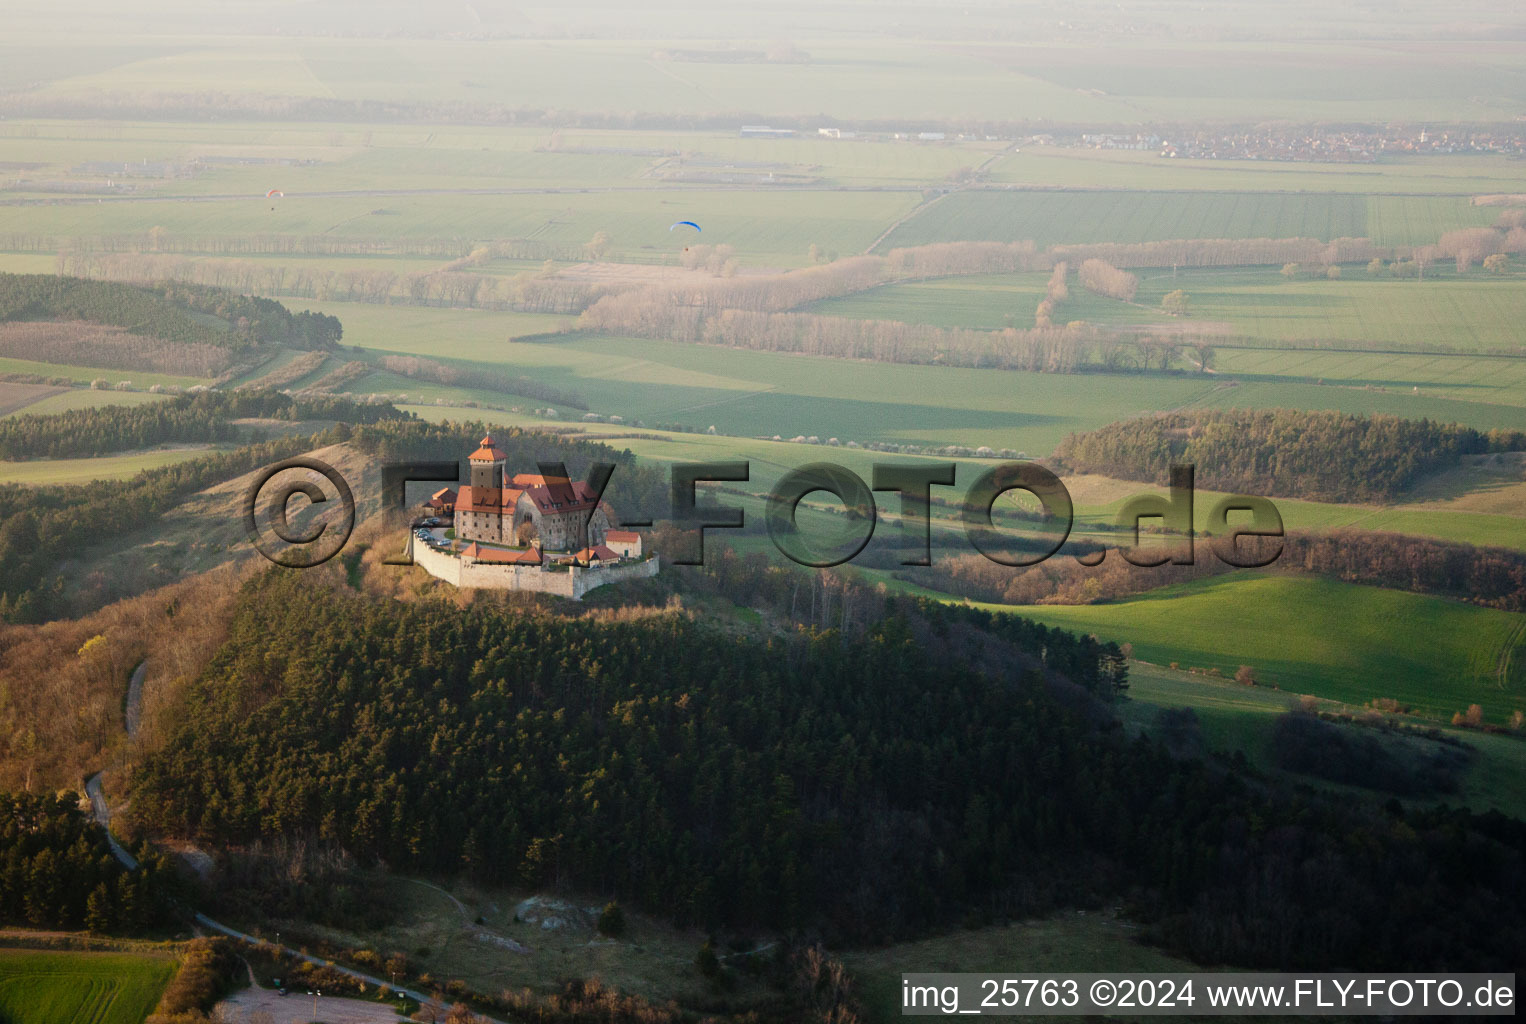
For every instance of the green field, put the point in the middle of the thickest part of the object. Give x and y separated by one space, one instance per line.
1240 718
105 467
84 398
1235 63
1474 504
86 374
1474 312
762 394
1059 217
80 988
978 300
771 227
1132 169
1450 317
1499 380
1308 635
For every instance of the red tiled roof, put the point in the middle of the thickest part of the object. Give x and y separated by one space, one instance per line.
561 496
487 451
444 494
622 536
522 556
600 552
468 500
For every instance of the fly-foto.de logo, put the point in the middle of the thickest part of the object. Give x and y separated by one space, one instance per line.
550 514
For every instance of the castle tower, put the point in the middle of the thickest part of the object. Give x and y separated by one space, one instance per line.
483 516
487 473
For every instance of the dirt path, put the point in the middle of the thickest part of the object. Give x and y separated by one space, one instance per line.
903 219
466 915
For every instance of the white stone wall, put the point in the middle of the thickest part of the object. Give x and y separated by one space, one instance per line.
436 563
573 582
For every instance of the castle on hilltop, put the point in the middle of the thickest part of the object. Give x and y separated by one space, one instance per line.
531 532
551 514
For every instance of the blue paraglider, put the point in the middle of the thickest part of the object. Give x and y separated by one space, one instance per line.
681 223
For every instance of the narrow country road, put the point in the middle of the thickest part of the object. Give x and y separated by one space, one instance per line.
102 813
282 1007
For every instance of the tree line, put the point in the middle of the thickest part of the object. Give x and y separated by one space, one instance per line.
1056 291
1494 577
1105 279
927 767
57 871
286 374
205 417
1317 456
529 291
166 311
80 343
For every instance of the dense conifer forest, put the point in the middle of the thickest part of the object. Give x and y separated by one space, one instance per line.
924 765
57 871
204 417
171 311
1314 456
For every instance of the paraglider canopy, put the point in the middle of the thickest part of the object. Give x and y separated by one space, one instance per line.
275 192
682 223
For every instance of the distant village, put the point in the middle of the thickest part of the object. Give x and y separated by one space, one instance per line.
1302 143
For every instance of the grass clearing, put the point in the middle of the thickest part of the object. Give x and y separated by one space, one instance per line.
40 472
80 988
1311 635
1239 718
439 931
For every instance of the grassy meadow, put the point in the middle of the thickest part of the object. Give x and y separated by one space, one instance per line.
1335 640
1239 719
80 988
42 472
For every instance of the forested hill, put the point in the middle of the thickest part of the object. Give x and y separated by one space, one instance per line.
205 417
1317 456
171 311
40 526
917 771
